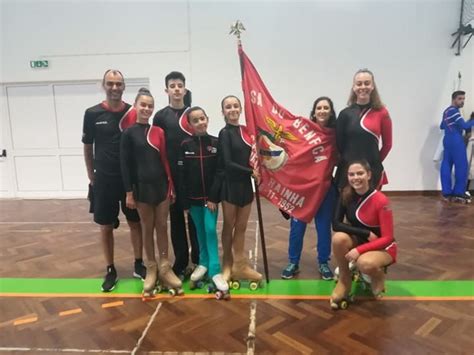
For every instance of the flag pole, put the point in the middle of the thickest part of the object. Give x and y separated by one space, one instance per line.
236 29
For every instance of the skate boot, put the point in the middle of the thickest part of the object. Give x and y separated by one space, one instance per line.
241 270
377 286
341 297
169 280
150 286
352 268
197 277
220 287
226 272
227 259
464 198
446 198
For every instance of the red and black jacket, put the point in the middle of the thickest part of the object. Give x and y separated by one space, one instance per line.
370 212
197 171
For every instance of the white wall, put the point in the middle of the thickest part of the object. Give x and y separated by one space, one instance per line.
302 49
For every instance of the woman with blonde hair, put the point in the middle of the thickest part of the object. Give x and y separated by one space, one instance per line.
361 126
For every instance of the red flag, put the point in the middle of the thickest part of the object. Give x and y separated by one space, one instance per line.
296 156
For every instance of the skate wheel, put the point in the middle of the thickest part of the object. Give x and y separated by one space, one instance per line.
253 285
235 285
341 304
219 295
172 292
199 284
158 289
211 289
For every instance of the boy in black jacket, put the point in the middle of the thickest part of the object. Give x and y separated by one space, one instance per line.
199 193
172 119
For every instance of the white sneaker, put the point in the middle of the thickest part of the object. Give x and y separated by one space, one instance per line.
198 273
220 283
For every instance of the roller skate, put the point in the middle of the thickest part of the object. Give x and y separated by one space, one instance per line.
367 284
352 268
227 267
341 296
464 198
446 198
241 270
169 280
197 279
220 287
150 285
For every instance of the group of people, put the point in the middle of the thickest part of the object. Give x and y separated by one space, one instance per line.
173 166
359 214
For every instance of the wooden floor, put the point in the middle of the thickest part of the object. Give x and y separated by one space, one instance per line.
56 239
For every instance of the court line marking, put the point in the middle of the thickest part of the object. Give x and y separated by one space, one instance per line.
99 351
234 296
253 304
69 222
112 304
70 312
25 321
55 350
145 331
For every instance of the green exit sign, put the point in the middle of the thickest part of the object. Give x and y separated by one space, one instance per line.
35 64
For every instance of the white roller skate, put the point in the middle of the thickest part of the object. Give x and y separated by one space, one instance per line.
220 287
197 277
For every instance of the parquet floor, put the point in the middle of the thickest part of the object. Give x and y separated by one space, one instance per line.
56 239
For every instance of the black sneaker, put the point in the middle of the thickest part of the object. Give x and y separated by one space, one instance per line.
110 279
139 270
